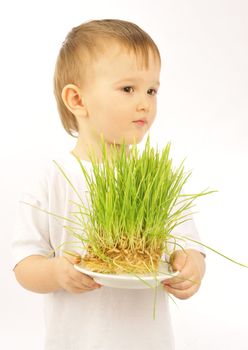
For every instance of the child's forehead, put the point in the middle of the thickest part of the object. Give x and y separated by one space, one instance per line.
123 57
114 61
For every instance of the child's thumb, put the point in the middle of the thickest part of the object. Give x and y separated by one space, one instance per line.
178 260
72 257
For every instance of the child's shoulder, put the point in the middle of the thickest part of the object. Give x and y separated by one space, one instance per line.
67 163
38 171
55 167
49 164
46 172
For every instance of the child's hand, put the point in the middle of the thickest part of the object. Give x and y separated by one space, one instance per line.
191 265
70 279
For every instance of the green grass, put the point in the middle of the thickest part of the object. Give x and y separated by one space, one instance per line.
135 203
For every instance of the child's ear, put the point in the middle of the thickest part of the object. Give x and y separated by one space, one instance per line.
73 100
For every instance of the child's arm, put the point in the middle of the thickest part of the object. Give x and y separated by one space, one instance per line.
43 275
191 264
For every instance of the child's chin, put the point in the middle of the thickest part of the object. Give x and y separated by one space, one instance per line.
135 140
129 140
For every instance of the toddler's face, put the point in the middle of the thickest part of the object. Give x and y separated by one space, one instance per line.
118 93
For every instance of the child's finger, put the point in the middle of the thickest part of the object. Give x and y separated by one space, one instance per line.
79 289
72 257
85 281
82 280
178 263
180 278
182 294
79 281
178 260
184 276
182 285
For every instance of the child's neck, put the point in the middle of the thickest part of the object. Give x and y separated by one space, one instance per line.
83 150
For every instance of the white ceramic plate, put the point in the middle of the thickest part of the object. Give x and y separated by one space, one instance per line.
129 281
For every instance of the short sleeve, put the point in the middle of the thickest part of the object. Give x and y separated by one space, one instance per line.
31 228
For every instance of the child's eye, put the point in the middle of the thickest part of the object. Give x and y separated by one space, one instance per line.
152 92
128 89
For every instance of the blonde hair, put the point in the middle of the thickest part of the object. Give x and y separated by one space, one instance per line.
82 45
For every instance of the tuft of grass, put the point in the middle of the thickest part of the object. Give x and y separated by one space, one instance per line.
135 202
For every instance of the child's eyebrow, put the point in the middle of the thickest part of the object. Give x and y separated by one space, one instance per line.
135 80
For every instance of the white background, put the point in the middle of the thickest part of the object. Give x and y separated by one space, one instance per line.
203 111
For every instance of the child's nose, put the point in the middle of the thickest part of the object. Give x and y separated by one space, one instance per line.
143 103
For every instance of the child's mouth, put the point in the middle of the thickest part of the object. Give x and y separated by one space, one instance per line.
140 122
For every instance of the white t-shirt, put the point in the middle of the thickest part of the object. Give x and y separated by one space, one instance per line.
103 319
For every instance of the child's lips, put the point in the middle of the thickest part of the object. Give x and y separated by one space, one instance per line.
140 122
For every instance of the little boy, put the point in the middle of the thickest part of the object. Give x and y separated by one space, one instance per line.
106 80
